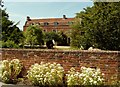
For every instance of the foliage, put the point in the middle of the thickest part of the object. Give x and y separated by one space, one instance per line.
98 27
115 82
59 37
88 76
33 36
10 31
77 40
46 74
10 70
51 36
63 41
8 44
73 78
1 69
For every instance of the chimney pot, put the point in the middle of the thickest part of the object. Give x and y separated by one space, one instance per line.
64 16
28 18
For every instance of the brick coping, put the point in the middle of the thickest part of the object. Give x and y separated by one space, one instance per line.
55 50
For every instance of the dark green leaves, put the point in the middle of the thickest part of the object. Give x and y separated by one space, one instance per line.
101 24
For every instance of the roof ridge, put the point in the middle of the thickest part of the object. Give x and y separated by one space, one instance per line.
49 18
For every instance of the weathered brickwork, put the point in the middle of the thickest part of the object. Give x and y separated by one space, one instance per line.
51 24
107 61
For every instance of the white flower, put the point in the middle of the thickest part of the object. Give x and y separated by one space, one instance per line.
88 76
50 73
95 82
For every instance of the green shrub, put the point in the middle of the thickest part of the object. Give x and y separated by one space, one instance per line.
88 76
0 44
10 70
46 74
8 44
73 77
114 80
0 69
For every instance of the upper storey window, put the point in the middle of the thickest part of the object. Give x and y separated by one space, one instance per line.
38 23
56 23
46 23
32 23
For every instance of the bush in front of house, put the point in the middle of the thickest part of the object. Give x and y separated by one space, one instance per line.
0 69
10 70
73 78
8 44
46 74
88 76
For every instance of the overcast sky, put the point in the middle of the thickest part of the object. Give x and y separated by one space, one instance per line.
18 10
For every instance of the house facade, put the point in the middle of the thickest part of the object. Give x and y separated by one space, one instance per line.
51 24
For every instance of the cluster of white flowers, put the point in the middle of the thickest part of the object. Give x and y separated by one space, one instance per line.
46 74
10 70
88 76
73 77
1 67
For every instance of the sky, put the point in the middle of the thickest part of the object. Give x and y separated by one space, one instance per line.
36 9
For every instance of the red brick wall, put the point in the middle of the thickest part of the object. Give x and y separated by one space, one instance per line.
107 61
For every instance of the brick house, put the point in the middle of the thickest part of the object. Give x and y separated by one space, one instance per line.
51 24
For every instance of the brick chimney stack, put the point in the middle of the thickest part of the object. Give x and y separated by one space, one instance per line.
28 18
64 17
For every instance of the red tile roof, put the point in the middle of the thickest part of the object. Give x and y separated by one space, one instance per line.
62 23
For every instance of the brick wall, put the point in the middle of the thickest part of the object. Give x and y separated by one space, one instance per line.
107 61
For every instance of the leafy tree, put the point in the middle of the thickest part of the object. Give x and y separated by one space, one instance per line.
63 39
8 44
33 36
100 27
10 31
76 38
59 37
51 36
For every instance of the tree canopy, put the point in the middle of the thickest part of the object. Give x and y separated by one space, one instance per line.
33 35
51 36
59 37
99 27
10 31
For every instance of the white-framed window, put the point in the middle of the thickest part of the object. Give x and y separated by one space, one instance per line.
38 23
56 23
46 23
32 24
